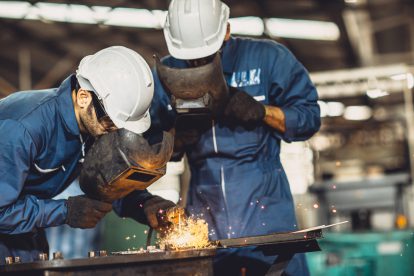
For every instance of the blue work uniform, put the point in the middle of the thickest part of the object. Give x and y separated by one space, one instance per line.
40 150
237 180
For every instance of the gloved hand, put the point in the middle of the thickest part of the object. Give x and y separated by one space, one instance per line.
188 130
84 212
244 108
155 210
185 139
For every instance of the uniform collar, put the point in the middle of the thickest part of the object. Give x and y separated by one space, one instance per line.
228 57
66 109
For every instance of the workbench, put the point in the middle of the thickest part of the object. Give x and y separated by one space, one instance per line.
182 262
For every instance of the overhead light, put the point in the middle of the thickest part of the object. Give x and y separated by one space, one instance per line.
355 2
249 25
335 109
324 108
71 13
358 112
410 81
376 93
127 17
351 1
399 77
14 9
302 29
406 76
331 109
61 13
161 16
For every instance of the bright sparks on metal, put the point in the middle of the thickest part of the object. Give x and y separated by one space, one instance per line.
189 234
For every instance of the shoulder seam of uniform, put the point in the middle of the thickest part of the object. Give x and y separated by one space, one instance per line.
24 127
34 109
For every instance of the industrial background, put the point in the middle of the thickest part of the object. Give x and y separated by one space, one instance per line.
358 167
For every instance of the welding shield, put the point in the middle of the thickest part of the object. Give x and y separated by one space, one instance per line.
201 89
122 161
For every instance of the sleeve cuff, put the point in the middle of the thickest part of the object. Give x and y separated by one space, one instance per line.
55 212
291 122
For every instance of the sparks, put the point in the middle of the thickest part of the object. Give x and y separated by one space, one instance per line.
192 233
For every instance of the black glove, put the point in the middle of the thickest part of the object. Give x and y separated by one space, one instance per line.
188 130
185 139
84 212
155 210
244 108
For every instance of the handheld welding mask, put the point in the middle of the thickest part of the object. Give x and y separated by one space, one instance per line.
122 161
195 90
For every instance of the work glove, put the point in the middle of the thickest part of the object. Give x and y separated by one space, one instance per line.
185 139
84 212
188 130
155 210
243 108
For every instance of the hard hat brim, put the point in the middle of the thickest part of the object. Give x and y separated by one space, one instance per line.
139 126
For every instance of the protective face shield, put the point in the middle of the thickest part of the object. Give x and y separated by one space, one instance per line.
123 84
200 89
121 162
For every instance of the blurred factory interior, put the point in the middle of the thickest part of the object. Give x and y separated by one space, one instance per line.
357 168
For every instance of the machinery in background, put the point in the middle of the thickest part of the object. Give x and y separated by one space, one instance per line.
364 149
364 166
364 254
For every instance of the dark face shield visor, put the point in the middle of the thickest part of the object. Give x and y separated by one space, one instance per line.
201 89
98 106
121 162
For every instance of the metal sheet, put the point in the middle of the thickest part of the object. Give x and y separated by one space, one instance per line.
186 262
271 239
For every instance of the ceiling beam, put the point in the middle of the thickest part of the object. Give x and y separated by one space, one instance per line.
56 72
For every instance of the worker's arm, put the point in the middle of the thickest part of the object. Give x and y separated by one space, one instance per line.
246 110
292 109
275 118
293 94
22 214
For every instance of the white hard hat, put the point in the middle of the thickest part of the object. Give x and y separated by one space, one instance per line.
195 28
123 81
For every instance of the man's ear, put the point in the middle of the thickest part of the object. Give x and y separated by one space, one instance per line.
83 98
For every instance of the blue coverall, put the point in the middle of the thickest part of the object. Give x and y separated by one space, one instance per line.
237 181
41 150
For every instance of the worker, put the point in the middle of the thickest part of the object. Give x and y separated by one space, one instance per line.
237 181
44 137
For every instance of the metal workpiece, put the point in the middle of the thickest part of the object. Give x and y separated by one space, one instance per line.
8 260
91 254
186 262
17 260
284 245
154 261
57 255
43 257
120 162
271 239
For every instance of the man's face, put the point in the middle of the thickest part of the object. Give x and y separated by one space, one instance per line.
94 126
